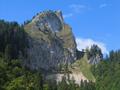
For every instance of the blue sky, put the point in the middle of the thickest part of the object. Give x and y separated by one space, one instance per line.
92 21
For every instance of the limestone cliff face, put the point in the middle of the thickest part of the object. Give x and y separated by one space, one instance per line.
51 41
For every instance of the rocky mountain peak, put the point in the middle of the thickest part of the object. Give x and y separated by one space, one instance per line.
49 20
51 41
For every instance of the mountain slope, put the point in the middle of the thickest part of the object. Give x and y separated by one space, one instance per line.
83 66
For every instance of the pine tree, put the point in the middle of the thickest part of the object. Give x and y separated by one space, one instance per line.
8 52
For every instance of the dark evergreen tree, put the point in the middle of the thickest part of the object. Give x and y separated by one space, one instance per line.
8 52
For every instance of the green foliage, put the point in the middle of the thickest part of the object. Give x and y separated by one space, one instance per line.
15 77
87 85
13 39
115 56
107 72
3 73
71 85
8 52
50 85
63 84
83 66
16 84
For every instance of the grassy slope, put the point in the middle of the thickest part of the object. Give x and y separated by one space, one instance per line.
83 66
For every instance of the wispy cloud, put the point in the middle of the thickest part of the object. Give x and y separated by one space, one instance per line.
77 8
68 15
103 5
87 43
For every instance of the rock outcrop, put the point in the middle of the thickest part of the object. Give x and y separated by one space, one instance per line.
51 42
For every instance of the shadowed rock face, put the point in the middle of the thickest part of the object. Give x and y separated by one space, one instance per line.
51 42
48 21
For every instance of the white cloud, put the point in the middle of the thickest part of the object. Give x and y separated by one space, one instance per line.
77 7
68 15
87 43
103 5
